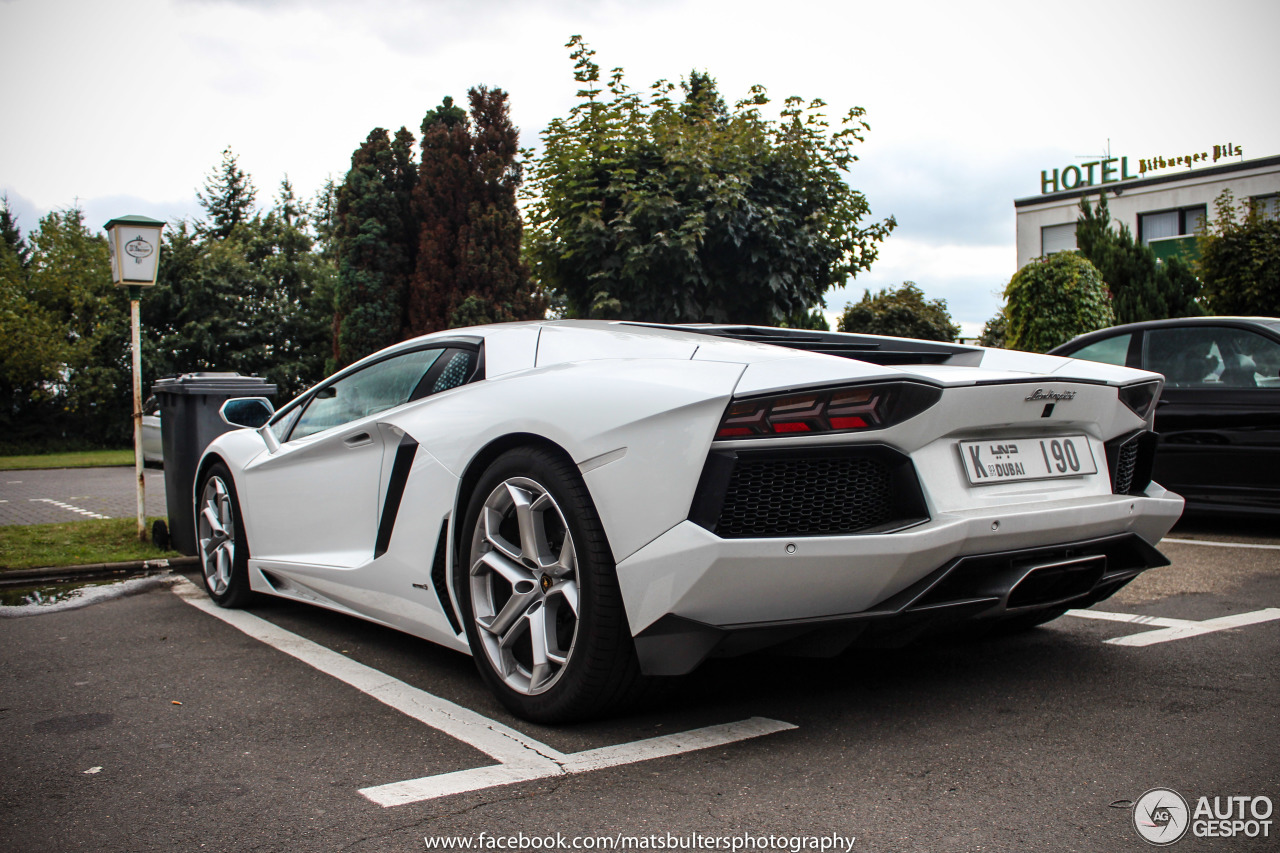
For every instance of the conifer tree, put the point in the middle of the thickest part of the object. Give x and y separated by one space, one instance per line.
1141 287
324 219
376 241
469 269
11 234
228 197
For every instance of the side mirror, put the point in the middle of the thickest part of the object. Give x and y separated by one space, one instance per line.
251 412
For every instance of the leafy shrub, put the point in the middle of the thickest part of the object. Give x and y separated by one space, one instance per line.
1053 299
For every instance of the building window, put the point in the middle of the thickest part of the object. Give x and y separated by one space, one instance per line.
1057 238
1267 206
1167 224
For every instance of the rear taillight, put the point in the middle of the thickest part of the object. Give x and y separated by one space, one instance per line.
1141 397
864 407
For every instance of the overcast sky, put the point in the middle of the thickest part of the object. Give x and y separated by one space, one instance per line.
125 107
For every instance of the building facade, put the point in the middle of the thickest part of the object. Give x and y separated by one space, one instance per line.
1162 208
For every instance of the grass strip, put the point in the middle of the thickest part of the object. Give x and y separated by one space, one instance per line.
75 543
82 459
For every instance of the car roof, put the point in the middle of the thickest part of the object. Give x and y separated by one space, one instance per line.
1268 324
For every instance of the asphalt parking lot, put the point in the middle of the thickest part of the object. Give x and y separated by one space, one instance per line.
71 494
154 721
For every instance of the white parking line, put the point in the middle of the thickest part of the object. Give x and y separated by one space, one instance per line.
521 757
1130 617
1213 544
431 787
85 512
1176 629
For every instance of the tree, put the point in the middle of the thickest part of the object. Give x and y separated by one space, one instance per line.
469 268
814 320
377 240
324 219
994 331
258 301
72 337
1141 287
11 234
227 198
692 211
33 349
1053 299
294 327
1240 259
902 312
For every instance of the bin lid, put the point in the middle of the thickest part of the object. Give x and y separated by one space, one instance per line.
214 383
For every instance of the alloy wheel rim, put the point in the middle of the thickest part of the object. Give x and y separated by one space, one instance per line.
217 535
524 586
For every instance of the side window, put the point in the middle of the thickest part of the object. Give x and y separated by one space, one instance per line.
1111 350
374 389
452 370
1209 357
1251 361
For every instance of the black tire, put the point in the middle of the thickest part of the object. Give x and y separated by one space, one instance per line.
220 538
512 595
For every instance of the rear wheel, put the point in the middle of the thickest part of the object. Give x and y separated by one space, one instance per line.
224 553
539 592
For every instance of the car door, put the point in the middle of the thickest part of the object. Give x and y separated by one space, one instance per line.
1219 415
316 500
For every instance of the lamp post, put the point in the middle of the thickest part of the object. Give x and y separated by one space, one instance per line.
134 245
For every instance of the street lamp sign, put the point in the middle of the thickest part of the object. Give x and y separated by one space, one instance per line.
134 245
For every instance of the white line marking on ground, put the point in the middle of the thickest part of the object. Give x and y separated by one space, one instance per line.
1129 617
1213 544
462 781
1209 626
85 512
489 736
521 757
1176 629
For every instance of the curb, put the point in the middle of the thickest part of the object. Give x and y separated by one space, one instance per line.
56 574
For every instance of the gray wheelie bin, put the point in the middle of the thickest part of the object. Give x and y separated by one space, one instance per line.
189 421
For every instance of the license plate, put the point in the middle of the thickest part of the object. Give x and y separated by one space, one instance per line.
1009 460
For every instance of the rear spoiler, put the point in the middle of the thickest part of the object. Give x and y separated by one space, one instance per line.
874 349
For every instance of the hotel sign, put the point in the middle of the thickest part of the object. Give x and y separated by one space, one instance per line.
1101 172
1074 177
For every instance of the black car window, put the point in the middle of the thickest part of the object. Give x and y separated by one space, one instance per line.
1209 357
373 389
1112 350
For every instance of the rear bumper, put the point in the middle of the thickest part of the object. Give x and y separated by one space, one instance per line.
690 594
977 587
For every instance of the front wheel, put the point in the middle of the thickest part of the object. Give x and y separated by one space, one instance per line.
539 590
224 553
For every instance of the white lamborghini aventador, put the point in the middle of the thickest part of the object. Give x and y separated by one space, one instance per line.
585 505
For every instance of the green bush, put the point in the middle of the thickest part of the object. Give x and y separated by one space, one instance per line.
1053 299
1240 260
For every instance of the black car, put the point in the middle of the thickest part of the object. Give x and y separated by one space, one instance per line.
1219 415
